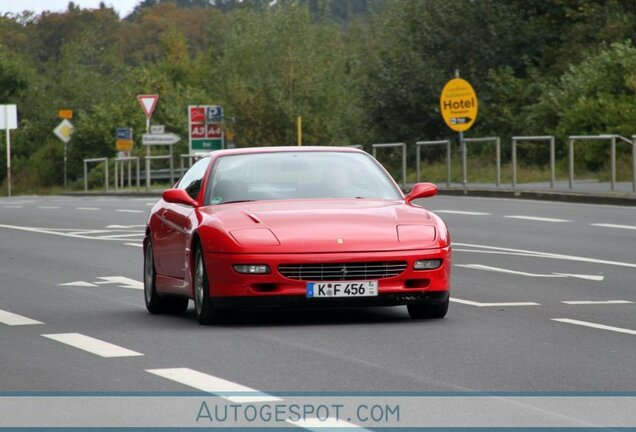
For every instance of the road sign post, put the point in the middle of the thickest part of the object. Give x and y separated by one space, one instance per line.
8 121
148 103
458 105
63 131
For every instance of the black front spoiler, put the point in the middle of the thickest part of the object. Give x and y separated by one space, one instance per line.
279 301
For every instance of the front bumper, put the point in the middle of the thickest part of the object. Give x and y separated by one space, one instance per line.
231 288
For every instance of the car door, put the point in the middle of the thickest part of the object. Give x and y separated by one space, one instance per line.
177 224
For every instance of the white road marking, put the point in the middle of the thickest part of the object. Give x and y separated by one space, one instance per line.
478 304
535 254
87 208
596 326
134 244
92 345
212 384
13 206
12 319
124 226
520 273
91 232
78 284
467 213
604 225
537 219
330 424
603 302
120 236
64 232
129 211
123 282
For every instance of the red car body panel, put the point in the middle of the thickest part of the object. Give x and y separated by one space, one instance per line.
294 231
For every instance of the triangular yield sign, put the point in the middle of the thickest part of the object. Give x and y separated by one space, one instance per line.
148 103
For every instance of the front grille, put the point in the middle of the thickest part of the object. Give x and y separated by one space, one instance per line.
343 271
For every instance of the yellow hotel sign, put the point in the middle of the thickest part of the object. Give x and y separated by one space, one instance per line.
458 105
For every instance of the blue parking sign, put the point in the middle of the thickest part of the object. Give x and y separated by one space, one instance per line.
213 114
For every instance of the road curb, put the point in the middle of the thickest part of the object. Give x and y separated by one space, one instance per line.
541 195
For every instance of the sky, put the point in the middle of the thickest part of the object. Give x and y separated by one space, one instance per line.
123 7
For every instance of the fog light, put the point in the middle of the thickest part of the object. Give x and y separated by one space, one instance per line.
427 264
251 268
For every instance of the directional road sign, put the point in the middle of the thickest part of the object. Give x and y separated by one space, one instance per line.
206 132
160 139
458 105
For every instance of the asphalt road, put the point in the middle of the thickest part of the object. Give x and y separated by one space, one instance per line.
543 300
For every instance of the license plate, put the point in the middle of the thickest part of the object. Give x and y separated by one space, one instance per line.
342 289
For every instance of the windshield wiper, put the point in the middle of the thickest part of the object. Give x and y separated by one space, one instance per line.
235 201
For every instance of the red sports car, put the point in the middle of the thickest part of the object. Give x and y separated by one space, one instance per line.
297 226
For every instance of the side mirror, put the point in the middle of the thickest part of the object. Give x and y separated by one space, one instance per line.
179 196
421 190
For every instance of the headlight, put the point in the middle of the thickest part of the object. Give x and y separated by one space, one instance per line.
251 268
427 264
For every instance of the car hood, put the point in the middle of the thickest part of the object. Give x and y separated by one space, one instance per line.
329 225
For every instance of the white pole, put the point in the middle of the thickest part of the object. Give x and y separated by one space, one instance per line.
6 123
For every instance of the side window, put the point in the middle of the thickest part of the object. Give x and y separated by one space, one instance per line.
192 180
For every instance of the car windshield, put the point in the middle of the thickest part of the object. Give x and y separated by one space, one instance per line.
298 175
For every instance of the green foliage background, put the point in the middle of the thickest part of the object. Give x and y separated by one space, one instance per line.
357 71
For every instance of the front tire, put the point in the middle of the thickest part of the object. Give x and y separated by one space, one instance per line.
428 310
204 309
154 302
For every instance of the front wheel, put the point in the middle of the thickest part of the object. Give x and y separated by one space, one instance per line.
428 310
155 303
205 311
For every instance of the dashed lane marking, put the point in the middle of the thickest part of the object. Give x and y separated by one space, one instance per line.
596 326
537 219
467 213
134 244
87 208
92 345
604 225
212 384
129 211
13 319
602 302
503 304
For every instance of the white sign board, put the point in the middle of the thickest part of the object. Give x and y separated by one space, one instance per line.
157 129
160 139
8 117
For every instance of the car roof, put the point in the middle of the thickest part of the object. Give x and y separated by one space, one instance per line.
282 149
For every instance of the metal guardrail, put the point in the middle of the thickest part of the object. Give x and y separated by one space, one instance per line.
122 161
418 147
543 138
95 160
394 145
497 142
148 160
611 138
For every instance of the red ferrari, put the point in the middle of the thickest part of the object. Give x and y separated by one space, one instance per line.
295 226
